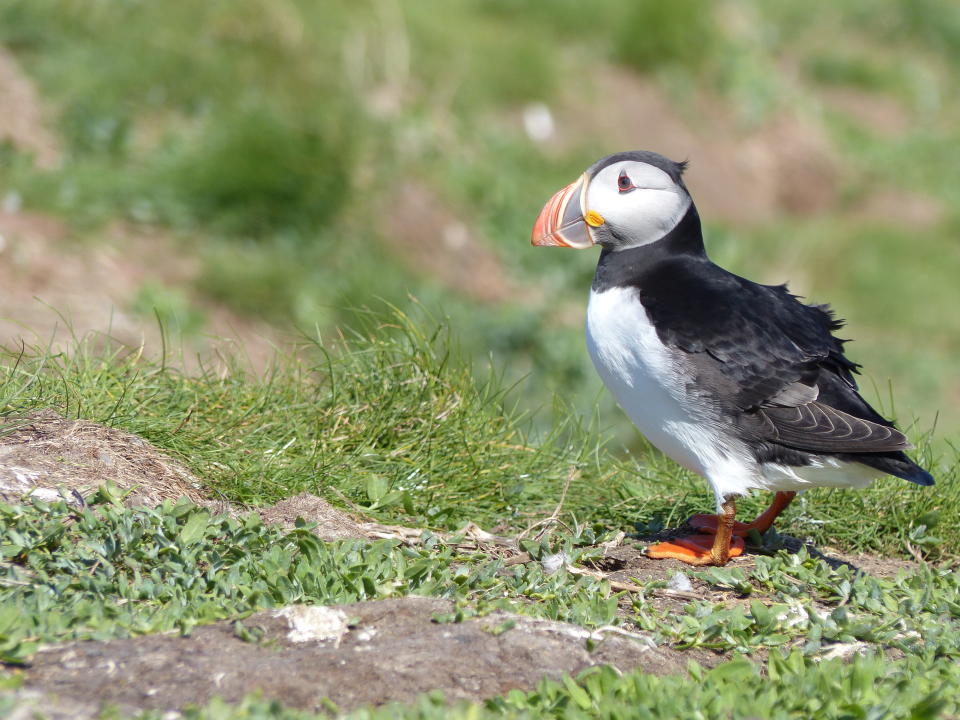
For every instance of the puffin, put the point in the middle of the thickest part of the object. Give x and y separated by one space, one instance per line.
741 383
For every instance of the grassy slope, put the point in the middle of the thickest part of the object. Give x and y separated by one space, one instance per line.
394 422
274 148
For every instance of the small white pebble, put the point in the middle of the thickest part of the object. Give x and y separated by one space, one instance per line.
314 622
456 236
12 202
45 494
552 563
366 634
538 122
679 582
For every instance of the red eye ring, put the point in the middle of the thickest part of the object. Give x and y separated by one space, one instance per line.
624 183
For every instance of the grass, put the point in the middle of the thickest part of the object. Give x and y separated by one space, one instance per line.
400 410
272 148
395 423
268 140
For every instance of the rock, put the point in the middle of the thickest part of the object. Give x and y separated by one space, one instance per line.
365 653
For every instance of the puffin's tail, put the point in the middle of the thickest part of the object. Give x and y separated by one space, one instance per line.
919 476
898 465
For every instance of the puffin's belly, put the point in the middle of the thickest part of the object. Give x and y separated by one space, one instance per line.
646 379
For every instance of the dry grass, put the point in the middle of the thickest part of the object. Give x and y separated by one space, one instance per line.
46 454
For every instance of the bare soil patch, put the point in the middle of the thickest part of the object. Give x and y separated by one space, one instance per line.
23 119
881 567
628 563
358 654
866 563
58 288
47 454
899 207
881 114
433 241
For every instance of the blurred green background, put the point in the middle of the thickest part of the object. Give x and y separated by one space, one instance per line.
250 169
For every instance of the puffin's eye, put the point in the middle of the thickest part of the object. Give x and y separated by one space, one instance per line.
624 183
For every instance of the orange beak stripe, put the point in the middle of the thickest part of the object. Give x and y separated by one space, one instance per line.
561 222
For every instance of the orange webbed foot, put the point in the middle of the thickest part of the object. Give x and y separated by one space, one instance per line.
693 549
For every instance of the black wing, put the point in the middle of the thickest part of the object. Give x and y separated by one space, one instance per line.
781 363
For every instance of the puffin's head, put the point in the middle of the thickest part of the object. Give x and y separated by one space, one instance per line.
622 201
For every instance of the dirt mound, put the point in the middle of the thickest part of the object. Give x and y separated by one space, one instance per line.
46 453
331 523
357 654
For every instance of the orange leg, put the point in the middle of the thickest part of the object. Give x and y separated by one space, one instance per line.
708 523
714 549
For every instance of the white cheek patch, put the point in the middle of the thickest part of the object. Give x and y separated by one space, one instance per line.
644 214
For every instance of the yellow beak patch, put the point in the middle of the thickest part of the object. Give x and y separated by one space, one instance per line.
594 219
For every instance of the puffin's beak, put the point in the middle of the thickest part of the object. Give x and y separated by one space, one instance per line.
561 222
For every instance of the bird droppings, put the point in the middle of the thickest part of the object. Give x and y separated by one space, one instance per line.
314 623
45 494
794 616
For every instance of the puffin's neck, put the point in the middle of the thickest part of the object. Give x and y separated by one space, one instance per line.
621 267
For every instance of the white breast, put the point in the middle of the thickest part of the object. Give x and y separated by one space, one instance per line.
650 384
